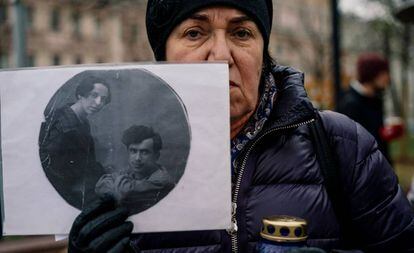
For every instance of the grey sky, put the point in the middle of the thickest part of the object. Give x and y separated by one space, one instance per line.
362 8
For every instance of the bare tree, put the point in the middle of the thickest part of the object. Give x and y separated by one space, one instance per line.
397 38
315 53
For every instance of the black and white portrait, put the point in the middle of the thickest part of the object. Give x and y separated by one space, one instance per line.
119 132
153 136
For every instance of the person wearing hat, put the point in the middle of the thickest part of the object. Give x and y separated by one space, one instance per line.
274 165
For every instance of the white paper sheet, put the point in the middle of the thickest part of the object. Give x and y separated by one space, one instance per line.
200 200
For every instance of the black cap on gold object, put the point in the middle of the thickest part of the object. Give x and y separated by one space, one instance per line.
164 15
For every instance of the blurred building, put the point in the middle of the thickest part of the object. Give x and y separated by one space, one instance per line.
103 31
358 37
76 32
301 38
5 35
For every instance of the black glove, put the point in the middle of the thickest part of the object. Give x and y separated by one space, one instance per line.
346 251
101 227
306 250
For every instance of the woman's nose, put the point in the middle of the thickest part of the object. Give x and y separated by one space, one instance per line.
98 100
220 49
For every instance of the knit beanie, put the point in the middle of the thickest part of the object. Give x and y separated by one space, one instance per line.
164 15
369 66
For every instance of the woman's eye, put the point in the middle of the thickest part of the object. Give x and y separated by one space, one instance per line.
94 95
242 34
193 34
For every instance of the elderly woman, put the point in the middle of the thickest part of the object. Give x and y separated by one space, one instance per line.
274 163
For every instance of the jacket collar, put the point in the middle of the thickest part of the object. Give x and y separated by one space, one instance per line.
292 104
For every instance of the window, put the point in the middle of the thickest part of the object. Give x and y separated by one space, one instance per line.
3 61
29 15
3 11
56 60
55 19
134 33
76 20
78 59
30 61
98 27
120 30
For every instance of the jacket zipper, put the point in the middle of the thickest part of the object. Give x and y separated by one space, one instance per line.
234 228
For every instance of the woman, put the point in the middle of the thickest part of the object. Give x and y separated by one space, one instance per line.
275 168
66 147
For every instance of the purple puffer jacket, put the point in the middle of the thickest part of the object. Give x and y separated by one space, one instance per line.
279 174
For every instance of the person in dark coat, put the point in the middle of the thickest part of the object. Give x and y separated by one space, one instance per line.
145 181
363 102
274 164
66 147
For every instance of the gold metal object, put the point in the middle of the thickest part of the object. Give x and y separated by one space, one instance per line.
282 228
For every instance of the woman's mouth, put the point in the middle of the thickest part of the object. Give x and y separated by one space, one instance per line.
233 84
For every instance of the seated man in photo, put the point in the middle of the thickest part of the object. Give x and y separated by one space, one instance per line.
144 182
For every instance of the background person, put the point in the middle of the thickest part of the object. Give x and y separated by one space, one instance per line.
66 146
364 100
274 164
144 182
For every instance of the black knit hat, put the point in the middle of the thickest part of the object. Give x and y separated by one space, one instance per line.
164 15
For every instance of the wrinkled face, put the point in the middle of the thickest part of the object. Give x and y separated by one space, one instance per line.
223 34
382 81
95 100
142 155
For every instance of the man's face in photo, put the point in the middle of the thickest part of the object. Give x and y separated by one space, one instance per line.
142 155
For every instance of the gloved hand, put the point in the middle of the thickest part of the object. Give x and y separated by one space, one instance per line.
101 227
317 250
346 251
306 250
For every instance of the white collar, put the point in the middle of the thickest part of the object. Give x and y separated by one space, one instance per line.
359 88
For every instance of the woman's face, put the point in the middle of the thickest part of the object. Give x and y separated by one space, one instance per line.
95 100
223 34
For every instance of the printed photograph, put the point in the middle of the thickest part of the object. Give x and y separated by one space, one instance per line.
123 133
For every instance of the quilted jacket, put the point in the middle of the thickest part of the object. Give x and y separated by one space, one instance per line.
279 174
